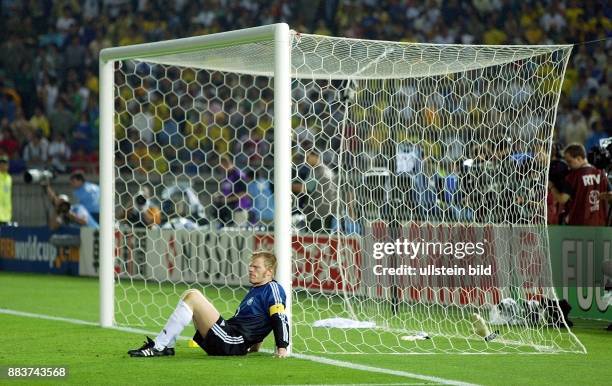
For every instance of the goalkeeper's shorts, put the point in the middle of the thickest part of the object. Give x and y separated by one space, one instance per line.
222 339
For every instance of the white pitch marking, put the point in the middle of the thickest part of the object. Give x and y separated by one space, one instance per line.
360 384
312 358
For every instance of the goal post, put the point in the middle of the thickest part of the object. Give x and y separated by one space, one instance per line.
279 33
107 192
282 160
368 166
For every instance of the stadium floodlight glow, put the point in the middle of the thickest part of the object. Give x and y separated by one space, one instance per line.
366 143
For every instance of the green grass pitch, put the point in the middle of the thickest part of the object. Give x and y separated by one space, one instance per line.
98 356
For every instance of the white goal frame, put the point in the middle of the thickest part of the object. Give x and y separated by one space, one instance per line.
356 70
280 34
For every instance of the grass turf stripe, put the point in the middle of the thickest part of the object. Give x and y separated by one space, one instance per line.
312 358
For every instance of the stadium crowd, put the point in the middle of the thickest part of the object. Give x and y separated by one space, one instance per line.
49 114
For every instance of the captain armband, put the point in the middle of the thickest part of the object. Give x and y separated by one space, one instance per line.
277 309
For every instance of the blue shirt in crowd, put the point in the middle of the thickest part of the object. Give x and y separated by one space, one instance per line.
263 199
82 212
88 195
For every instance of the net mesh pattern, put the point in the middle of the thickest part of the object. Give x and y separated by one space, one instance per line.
432 144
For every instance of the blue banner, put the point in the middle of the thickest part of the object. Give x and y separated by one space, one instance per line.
38 249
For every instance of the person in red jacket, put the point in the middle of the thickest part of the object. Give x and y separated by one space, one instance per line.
584 191
9 144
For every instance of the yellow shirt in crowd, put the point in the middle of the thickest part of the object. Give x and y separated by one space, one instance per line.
6 198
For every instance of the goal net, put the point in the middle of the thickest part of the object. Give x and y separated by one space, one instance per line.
403 187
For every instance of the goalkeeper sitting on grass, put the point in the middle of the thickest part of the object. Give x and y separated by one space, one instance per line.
262 310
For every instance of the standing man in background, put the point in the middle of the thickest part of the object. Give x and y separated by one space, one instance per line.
86 193
585 189
320 187
233 203
63 213
6 192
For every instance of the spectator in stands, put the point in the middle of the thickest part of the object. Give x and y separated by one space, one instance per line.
196 165
6 192
82 134
86 193
557 172
74 54
87 161
453 196
262 193
70 35
66 214
59 153
299 173
583 188
7 104
9 144
170 129
232 204
553 20
65 21
426 193
40 121
320 189
48 93
26 87
36 151
527 200
251 150
137 158
5 124
20 124
62 120
349 223
598 132
78 96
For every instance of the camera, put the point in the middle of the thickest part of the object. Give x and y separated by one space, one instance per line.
63 208
140 201
138 215
601 157
37 176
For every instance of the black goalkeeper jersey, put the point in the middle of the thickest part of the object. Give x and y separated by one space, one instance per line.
260 312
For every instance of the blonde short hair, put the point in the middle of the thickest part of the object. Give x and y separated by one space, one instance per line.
269 259
575 150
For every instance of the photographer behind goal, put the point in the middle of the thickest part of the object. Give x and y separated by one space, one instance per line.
64 213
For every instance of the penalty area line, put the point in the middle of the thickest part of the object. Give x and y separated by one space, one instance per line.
312 358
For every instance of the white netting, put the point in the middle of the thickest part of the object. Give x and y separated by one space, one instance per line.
391 141
322 57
